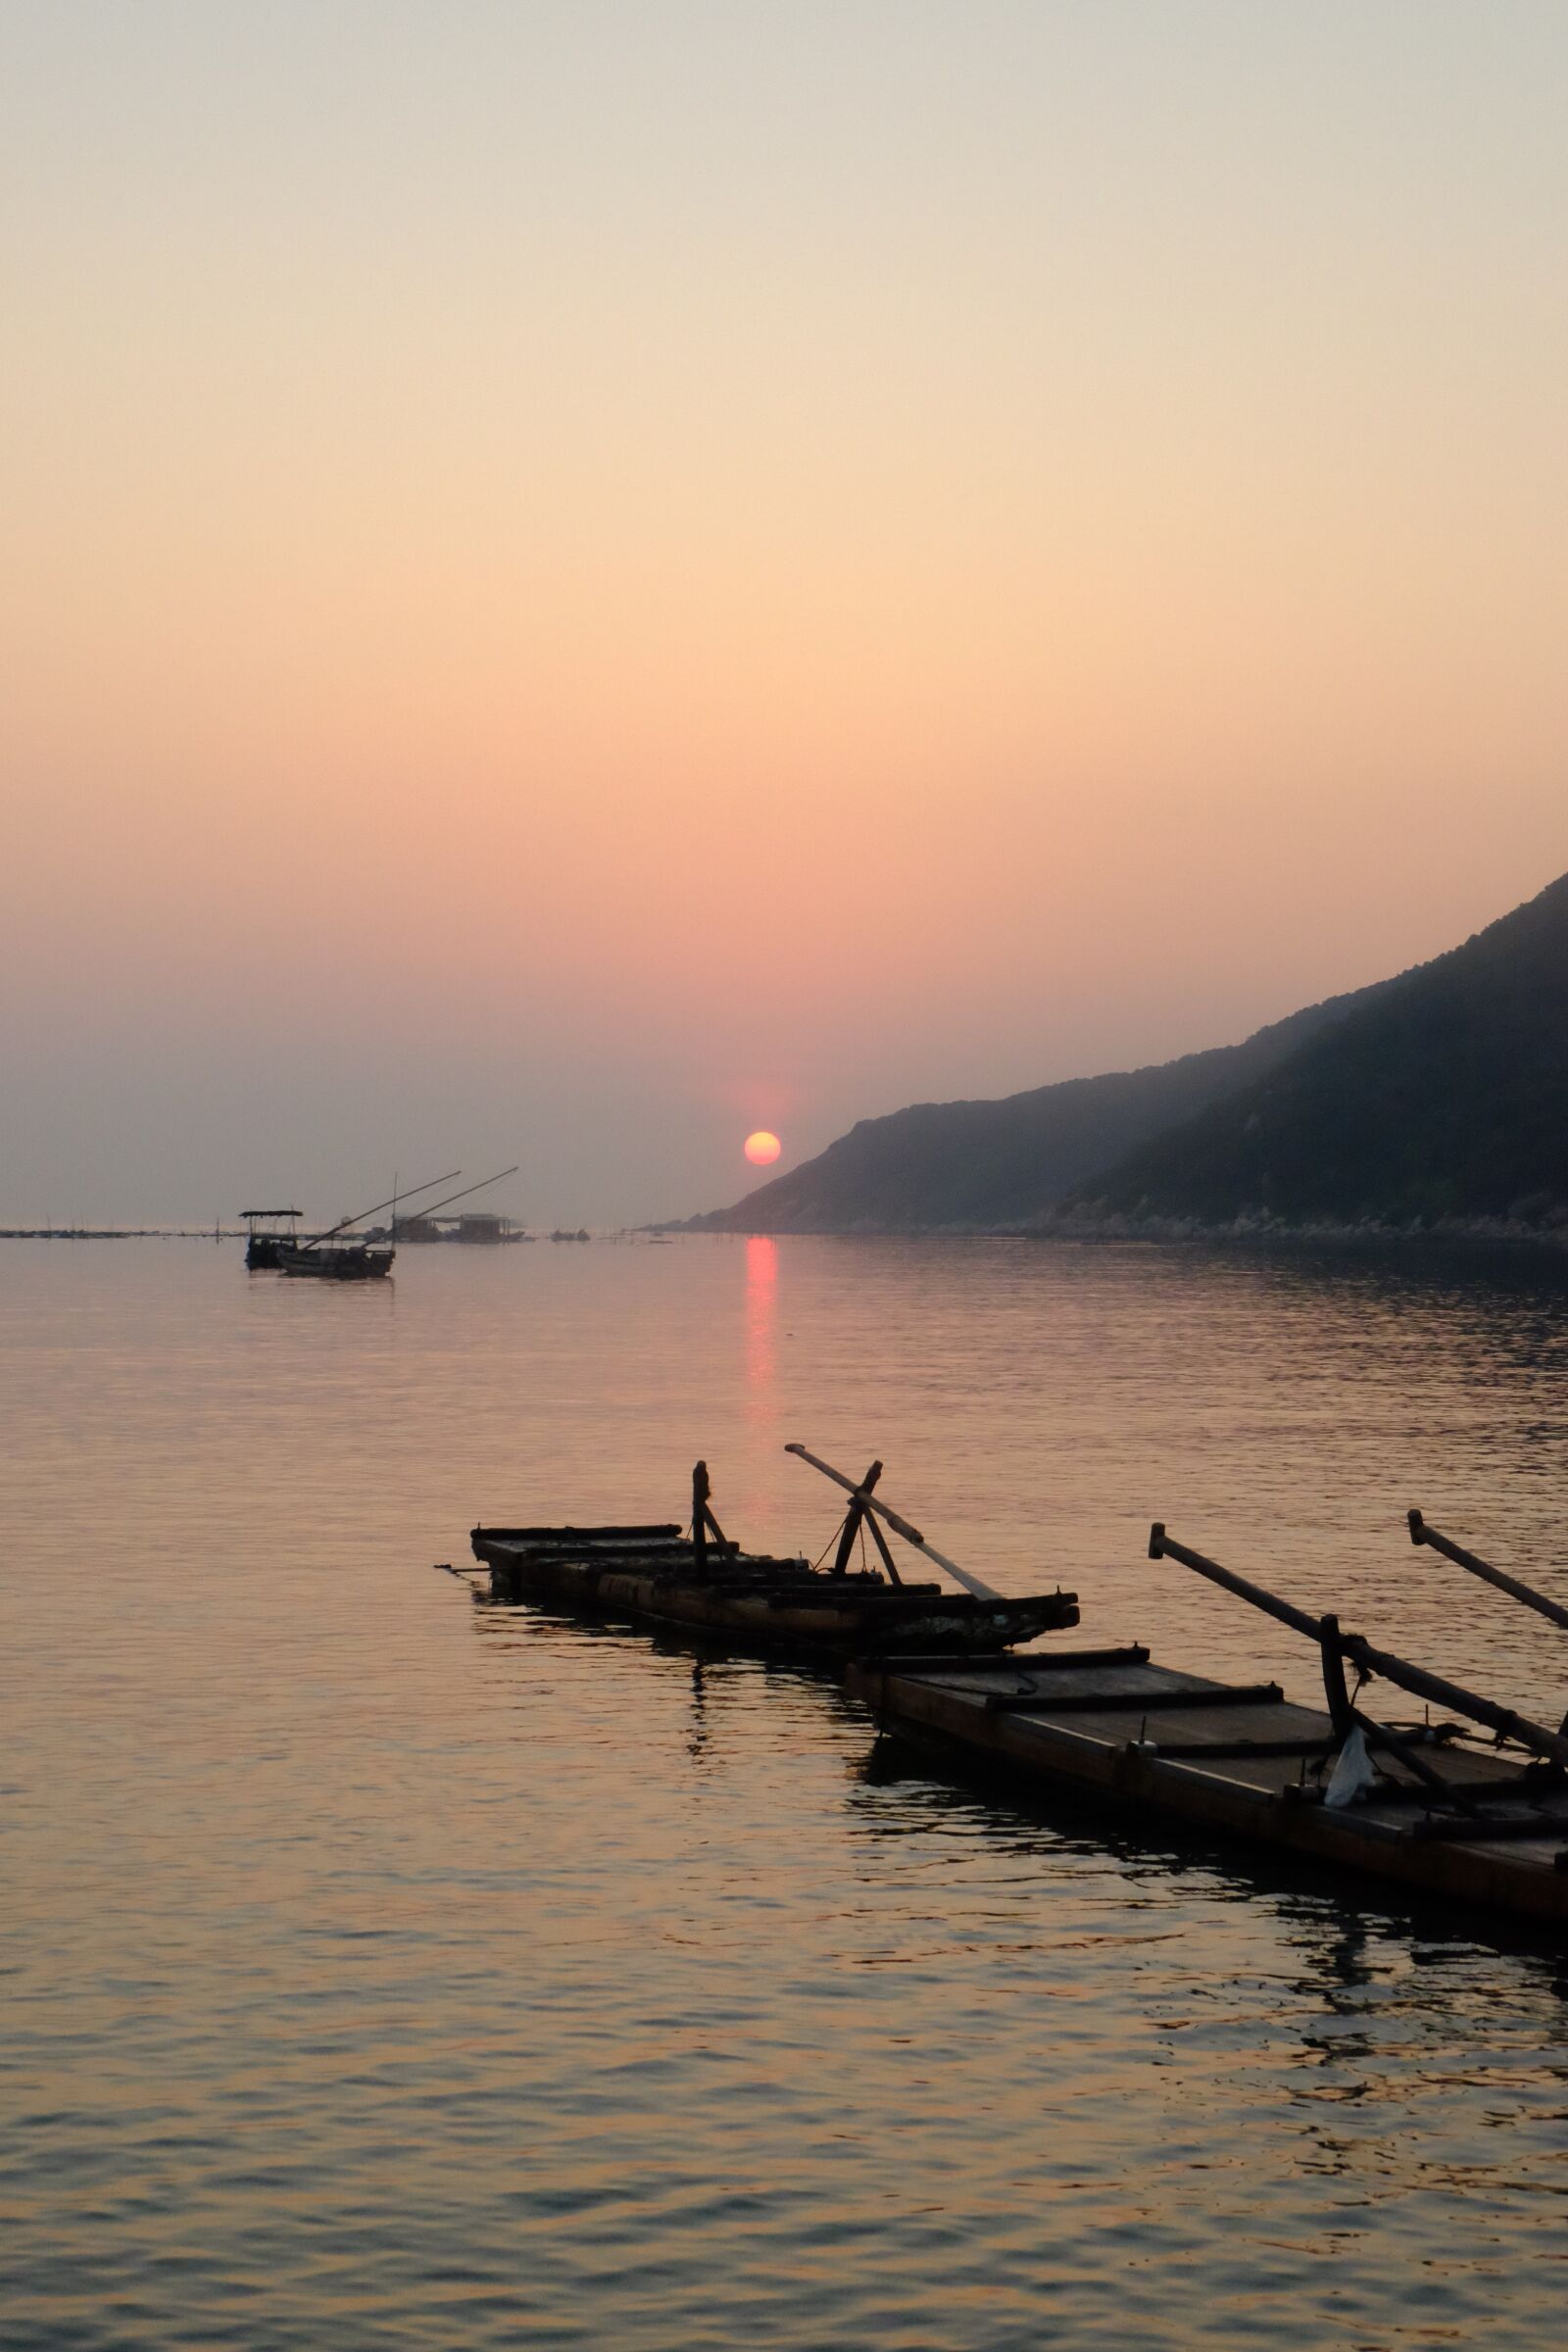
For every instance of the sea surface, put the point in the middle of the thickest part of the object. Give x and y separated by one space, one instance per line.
386 1969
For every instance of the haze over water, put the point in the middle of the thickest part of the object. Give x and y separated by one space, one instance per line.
388 1969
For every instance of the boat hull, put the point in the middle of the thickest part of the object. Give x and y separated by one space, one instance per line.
337 1265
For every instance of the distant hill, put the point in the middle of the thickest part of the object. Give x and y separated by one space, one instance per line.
1442 1095
967 1166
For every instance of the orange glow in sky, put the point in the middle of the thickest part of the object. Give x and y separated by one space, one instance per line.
850 556
762 1149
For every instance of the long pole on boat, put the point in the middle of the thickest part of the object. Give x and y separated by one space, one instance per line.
436 1205
344 1223
1420 1533
1360 1652
872 1504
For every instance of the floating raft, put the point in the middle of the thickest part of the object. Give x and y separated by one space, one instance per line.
1470 1824
650 1575
701 1583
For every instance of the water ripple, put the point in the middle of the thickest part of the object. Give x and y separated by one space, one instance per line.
387 1971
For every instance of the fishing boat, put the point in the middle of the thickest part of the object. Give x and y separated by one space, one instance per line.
693 1577
269 1236
327 1258
1416 1807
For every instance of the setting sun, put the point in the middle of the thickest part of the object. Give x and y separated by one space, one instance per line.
762 1149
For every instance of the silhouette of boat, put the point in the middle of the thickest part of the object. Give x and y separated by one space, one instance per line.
331 1257
270 1234
697 1580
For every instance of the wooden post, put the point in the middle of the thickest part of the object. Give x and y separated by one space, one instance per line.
852 1519
881 1543
1334 1686
700 1493
901 1526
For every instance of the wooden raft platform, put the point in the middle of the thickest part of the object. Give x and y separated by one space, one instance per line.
698 1581
1245 1761
761 1602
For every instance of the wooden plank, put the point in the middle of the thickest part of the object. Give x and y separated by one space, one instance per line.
1063 1661
1138 1679
664 1557
579 1535
818 1593
1131 1703
1487 1828
972 1661
1218 1751
1490 1791
977 1671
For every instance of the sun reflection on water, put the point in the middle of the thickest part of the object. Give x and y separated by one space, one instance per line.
761 1323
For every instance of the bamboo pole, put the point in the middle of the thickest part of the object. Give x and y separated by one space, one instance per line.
1420 1533
1361 1653
901 1526
437 1206
343 1226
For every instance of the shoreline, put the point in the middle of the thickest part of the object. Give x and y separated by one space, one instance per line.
1239 1232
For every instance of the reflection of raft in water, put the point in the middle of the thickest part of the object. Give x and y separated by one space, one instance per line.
1412 1806
703 1583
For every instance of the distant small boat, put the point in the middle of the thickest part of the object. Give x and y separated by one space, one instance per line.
327 1258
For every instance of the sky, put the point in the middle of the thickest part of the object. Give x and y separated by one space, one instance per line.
579 579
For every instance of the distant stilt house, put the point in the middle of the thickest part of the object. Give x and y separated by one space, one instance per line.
481 1227
478 1225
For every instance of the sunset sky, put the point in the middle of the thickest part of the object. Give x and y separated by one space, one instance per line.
578 581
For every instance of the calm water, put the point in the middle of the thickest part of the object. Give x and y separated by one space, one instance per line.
387 1970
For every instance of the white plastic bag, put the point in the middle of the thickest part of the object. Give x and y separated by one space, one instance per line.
1353 1775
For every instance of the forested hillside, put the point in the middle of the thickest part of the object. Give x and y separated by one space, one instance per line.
1445 1095
979 1165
